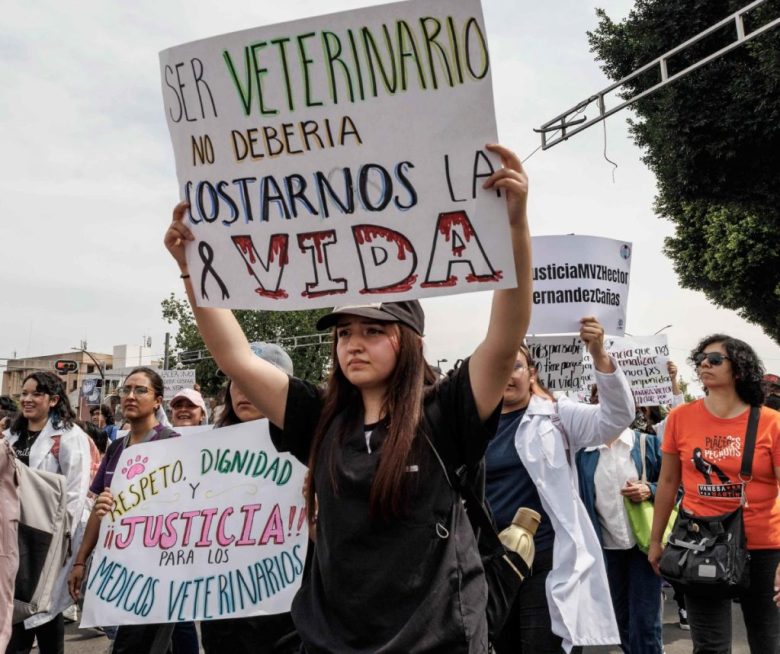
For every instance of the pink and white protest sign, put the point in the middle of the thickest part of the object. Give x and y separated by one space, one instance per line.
209 525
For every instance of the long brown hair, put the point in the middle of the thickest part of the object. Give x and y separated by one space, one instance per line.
403 414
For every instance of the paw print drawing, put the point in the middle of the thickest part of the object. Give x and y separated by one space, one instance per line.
135 467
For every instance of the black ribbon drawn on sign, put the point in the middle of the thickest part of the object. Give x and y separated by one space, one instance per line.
206 253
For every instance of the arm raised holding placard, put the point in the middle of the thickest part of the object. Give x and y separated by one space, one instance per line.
266 386
510 314
379 395
491 364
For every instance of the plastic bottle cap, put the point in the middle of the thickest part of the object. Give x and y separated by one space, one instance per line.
527 519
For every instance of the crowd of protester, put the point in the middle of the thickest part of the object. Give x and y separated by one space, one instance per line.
374 584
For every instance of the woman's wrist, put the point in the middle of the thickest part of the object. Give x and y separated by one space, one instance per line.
602 361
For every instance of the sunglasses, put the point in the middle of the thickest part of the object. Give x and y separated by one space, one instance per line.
714 358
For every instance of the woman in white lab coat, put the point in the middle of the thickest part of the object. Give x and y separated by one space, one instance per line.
45 437
566 601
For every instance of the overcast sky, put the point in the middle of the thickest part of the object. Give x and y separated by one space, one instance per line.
88 175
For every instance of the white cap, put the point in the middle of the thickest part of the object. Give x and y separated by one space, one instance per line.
193 396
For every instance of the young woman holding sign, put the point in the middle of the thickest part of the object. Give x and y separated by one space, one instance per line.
142 396
395 567
530 463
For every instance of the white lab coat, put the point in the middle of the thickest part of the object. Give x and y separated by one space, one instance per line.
577 589
75 464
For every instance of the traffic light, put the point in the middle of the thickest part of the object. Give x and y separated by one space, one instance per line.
64 366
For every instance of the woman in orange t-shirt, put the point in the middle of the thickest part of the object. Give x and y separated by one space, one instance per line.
702 447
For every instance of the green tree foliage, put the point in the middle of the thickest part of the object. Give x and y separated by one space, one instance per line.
684 388
270 326
712 138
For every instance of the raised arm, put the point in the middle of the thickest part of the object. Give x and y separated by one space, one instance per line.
264 384
492 361
678 397
594 424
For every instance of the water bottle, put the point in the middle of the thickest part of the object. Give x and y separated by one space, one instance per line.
519 536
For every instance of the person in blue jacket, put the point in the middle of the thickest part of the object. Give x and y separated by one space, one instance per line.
607 474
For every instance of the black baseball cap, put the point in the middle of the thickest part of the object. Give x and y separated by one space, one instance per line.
409 313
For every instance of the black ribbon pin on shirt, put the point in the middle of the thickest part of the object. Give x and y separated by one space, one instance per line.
206 253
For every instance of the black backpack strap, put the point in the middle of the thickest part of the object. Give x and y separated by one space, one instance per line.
746 472
479 517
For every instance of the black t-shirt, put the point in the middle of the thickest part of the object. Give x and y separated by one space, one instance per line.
508 484
24 443
414 584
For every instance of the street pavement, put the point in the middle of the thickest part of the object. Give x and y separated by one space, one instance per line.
676 641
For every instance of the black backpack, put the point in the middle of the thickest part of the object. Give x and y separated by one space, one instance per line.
505 570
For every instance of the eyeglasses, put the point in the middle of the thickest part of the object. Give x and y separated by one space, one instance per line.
714 358
139 391
519 366
33 394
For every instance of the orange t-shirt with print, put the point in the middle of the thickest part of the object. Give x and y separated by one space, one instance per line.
710 451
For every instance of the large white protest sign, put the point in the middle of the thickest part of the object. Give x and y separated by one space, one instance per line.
577 276
175 380
643 360
564 364
209 525
340 158
559 361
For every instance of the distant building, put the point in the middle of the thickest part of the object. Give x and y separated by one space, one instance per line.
17 369
88 384
132 356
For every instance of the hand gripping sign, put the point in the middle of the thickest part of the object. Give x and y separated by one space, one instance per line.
340 159
209 525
